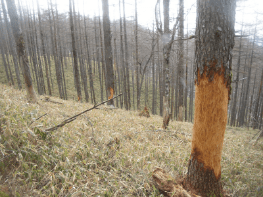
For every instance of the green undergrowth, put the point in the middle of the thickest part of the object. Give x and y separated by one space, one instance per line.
105 152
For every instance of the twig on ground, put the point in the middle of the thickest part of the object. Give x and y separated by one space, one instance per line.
47 99
259 136
90 124
186 134
75 116
37 119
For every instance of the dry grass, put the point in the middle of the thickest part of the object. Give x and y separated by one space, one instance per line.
106 152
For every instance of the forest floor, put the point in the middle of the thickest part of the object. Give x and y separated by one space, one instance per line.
106 151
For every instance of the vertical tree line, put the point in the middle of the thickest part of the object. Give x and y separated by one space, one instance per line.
71 54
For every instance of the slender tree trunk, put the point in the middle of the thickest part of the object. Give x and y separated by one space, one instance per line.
126 59
123 64
12 45
98 60
137 57
153 80
256 116
55 53
108 52
166 64
93 98
214 31
233 112
181 61
44 50
74 51
21 50
245 101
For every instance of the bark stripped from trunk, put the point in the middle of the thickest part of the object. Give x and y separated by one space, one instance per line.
213 57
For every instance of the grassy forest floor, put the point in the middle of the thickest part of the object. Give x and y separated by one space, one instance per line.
106 152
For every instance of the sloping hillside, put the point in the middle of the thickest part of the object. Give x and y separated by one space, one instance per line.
105 152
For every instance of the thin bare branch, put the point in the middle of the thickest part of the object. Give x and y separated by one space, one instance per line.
158 25
75 116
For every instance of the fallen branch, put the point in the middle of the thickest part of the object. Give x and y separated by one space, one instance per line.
47 99
75 116
259 136
37 119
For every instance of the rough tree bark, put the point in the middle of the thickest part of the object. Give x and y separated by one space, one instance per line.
108 52
181 61
168 40
21 50
213 58
137 56
43 49
166 59
233 112
256 116
12 45
127 78
74 51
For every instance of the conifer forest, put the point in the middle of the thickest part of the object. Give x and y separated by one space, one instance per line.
162 68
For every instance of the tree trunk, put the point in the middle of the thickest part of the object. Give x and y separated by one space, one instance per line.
166 69
245 100
98 59
153 80
108 52
21 50
181 61
213 58
137 57
12 46
233 112
44 50
256 116
74 51
127 78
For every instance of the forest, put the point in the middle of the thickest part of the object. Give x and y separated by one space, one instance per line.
199 85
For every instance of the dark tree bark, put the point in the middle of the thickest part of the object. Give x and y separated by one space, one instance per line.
54 49
153 80
93 97
98 59
213 58
181 61
234 103
108 52
12 45
74 51
21 50
137 57
83 73
127 78
124 81
256 116
44 50
245 98
2 45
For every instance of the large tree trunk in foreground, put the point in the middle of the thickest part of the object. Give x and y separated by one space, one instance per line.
21 50
108 52
214 43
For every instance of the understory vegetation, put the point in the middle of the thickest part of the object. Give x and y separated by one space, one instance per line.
106 151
